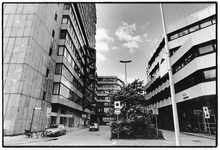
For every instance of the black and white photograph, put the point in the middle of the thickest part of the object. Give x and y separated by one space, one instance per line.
109 74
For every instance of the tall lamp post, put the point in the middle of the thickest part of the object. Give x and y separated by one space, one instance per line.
125 62
172 90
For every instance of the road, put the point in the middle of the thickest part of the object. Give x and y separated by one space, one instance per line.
87 138
82 137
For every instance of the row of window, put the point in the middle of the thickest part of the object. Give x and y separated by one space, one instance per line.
60 89
107 86
61 69
194 52
107 80
76 27
188 57
65 35
192 28
62 51
192 80
195 78
67 21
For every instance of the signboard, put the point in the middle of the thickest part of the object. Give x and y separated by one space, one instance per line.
117 111
206 112
185 95
117 104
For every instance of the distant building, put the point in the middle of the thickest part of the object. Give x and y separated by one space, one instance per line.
106 85
49 63
192 45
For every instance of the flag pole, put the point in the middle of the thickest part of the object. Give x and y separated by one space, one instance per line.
172 90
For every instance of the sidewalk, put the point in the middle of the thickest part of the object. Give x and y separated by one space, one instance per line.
200 135
19 139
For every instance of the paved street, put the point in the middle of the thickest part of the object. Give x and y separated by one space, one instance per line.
84 137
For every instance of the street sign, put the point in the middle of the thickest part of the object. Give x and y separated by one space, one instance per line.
207 116
205 109
206 112
117 104
117 111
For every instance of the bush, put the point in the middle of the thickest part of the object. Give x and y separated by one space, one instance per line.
134 121
134 131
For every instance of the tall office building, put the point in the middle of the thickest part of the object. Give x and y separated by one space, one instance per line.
49 64
106 85
192 45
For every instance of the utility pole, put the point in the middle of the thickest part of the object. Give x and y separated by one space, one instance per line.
172 90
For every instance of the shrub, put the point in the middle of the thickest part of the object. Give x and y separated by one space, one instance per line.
134 121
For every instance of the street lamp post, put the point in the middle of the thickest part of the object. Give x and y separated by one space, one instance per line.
172 90
125 62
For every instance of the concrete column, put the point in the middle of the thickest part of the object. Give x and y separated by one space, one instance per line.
58 115
67 119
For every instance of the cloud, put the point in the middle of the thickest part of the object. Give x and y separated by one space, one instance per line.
126 33
102 43
114 48
149 40
102 46
102 34
131 45
100 57
122 77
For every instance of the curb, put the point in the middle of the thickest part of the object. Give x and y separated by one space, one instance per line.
203 136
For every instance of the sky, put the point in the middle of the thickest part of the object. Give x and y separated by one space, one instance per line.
129 31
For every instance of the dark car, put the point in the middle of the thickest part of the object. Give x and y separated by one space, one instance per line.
94 127
55 130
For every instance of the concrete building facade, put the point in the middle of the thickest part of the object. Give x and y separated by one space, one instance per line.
49 64
192 46
106 85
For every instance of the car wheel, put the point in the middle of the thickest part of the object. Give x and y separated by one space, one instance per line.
64 132
57 134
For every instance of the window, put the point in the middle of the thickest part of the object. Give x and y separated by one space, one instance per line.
65 20
47 72
62 35
53 33
50 51
58 69
205 23
64 91
44 95
210 74
61 51
56 88
194 28
55 17
174 36
184 32
206 49
214 20
66 7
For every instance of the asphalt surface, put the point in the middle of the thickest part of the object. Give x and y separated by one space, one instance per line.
82 137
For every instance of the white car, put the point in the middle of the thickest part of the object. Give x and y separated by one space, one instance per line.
94 126
55 130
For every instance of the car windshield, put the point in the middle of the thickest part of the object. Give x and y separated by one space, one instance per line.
94 124
53 126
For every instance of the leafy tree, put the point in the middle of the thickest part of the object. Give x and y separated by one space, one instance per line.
134 120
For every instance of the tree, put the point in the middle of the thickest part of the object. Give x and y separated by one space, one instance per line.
134 120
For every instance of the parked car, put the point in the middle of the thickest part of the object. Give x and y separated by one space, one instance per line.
55 130
94 126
